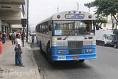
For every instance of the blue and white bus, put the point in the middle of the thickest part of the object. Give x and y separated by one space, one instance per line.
68 36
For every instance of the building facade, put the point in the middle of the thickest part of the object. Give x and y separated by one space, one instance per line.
11 12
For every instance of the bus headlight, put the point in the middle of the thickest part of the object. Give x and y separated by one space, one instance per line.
60 43
62 52
54 44
94 42
89 50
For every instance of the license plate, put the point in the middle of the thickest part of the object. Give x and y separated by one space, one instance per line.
62 57
75 57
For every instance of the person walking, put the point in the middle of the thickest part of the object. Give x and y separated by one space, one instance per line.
33 39
18 51
4 37
13 36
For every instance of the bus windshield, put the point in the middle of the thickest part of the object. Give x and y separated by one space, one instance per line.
71 28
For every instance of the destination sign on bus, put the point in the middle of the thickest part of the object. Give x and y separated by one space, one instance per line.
74 16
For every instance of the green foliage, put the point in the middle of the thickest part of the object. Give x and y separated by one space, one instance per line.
89 5
106 7
100 20
103 20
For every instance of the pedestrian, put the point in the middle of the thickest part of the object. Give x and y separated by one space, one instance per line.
33 38
22 38
18 51
10 36
3 37
13 36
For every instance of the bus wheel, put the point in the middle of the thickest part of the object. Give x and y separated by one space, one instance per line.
81 61
115 46
40 45
48 50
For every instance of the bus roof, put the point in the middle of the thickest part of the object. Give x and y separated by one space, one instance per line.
71 15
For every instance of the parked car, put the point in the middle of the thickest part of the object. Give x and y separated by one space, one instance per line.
108 39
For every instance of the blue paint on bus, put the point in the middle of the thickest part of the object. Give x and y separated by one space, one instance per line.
65 53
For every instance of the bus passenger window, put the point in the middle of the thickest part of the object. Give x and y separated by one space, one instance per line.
49 27
87 29
38 28
56 26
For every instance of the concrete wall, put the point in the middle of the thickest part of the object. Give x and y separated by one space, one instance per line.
10 15
12 1
9 7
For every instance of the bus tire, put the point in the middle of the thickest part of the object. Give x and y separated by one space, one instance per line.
40 45
115 46
48 50
81 61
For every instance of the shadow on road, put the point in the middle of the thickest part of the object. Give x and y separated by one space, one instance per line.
70 65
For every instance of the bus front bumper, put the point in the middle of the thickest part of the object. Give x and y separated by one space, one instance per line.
76 57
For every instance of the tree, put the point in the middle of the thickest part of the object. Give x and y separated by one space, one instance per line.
101 20
89 5
105 8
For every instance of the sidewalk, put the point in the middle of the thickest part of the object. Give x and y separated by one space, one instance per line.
10 71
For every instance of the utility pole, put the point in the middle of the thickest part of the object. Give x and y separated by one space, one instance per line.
27 20
57 9
77 6
23 34
23 22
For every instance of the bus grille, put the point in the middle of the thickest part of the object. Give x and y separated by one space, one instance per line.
75 44
75 51
75 47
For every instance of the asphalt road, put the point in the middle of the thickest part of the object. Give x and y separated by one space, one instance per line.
104 67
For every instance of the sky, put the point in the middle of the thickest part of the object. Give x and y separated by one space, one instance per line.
42 9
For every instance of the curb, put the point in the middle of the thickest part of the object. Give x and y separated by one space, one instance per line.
38 70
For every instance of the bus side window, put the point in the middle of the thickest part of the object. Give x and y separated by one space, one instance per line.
88 28
49 27
38 28
45 29
41 29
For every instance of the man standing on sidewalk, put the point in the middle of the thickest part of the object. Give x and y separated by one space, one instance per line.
18 51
